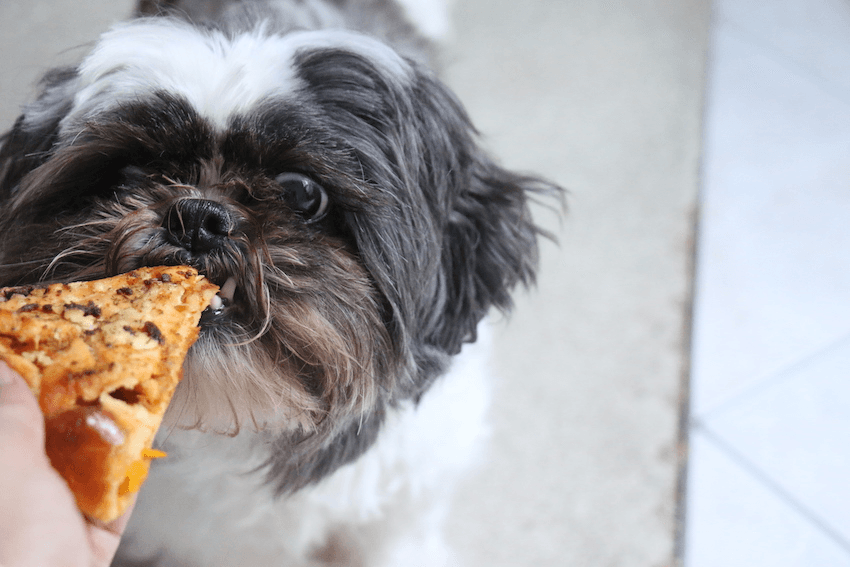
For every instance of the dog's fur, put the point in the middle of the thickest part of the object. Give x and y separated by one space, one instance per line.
301 150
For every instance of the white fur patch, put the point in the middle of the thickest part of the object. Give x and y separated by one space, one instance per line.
220 76
387 507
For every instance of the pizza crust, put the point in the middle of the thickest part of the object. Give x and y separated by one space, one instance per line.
103 358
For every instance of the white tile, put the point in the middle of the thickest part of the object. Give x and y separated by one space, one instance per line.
796 429
813 34
773 276
734 520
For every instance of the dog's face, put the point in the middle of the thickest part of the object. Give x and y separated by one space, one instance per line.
333 190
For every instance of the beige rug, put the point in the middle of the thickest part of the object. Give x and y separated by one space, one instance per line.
605 98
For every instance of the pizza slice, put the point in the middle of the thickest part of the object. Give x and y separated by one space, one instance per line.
103 358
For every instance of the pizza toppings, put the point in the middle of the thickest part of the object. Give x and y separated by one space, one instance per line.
103 358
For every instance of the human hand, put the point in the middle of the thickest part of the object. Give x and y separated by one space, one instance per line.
39 521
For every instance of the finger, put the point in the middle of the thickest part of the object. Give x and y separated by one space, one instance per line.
34 500
103 545
21 421
104 538
118 525
13 389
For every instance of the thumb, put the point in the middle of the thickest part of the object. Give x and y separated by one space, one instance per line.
39 524
21 422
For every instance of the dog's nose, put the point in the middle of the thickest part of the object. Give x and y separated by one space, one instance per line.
198 225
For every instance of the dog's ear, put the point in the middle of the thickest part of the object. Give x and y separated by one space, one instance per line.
490 238
30 141
490 247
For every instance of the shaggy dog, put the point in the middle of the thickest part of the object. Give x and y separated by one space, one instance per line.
301 155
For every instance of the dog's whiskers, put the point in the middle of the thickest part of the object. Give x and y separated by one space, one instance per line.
69 230
39 261
50 272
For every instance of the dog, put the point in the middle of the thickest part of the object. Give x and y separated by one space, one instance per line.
303 156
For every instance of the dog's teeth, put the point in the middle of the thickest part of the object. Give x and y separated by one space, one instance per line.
216 303
228 289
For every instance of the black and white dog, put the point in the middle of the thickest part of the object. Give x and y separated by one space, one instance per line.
302 156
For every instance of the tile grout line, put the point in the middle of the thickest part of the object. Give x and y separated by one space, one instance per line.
778 490
769 380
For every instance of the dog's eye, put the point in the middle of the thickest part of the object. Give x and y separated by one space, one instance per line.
304 195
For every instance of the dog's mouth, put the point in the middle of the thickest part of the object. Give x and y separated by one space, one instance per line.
220 303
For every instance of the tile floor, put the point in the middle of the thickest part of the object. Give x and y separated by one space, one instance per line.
770 395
